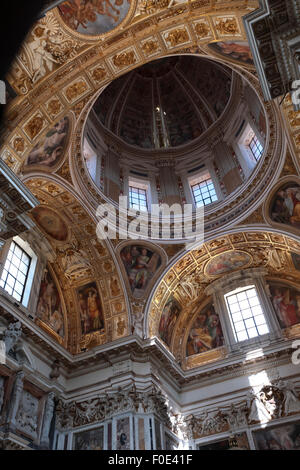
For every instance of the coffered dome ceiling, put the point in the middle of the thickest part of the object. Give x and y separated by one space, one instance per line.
165 103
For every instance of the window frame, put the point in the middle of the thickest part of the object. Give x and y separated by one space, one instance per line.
13 250
257 144
140 185
27 291
257 338
197 180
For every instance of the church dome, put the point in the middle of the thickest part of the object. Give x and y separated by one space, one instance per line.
165 103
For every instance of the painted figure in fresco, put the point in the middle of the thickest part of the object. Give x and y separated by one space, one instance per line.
237 50
91 316
48 151
94 312
89 440
83 314
227 262
140 264
49 307
286 207
206 332
79 13
285 437
41 57
168 319
123 441
286 304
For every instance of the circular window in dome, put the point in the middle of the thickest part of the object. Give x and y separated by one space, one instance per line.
94 17
165 103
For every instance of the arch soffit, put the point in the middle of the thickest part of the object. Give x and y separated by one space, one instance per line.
187 279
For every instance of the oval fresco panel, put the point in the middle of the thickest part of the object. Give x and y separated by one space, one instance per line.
237 50
285 205
94 17
51 223
205 333
49 150
227 262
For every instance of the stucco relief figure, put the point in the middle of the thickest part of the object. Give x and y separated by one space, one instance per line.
93 16
49 308
50 149
27 414
206 332
75 263
285 208
168 319
286 303
140 264
11 336
91 315
291 402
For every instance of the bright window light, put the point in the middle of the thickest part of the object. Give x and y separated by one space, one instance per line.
138 198
246 314
15 272
256 148
204 192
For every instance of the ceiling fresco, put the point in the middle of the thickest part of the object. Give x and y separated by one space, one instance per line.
59 74
181 314
238 50
93 17
85 271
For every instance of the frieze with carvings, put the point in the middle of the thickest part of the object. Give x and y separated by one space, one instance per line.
124 59
177 37
74 414
276 400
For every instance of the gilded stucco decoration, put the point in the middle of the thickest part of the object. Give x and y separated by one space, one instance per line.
292 120
188 278
82 265
101 62
60 72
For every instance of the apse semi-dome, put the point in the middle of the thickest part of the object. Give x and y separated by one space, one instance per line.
165 103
